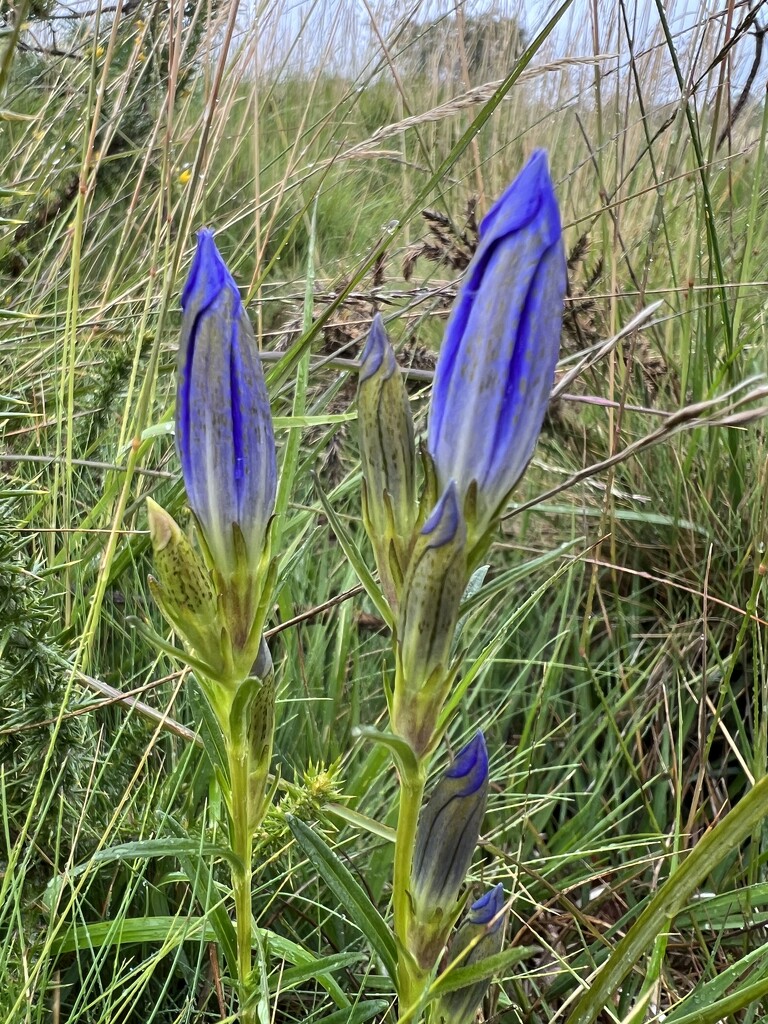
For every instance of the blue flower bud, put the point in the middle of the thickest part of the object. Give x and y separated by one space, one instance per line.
497 362
484 928
446 838
223 424
388 458
429 610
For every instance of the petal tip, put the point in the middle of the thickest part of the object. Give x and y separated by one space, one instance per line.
471 763
378 352
484 910
445 520
208 274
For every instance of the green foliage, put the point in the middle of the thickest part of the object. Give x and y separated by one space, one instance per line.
34 691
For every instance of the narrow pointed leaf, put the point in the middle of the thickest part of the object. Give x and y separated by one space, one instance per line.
348 892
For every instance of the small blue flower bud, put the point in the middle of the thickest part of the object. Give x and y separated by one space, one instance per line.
497 362
223 424
388 458
446 838
429 609
484 926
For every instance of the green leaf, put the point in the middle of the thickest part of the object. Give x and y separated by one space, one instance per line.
709 995
350 894
360 821
170 931
400 750
310 971
463 977
724 1008
209 728
357 1014
302 959
209 896
673 895
146 849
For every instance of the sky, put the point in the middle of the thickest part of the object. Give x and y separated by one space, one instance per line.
344 34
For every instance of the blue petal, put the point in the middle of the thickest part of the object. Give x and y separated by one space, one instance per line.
448 829
498 359
223 422
471 764
445 520
519 203
377 351
530 375
487 907
208 274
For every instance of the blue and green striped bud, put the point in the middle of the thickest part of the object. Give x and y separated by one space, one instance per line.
388 459
184 590
446 839
429 610
497 362
225 438
482 934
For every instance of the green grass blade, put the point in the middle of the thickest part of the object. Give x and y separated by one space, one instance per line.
724 838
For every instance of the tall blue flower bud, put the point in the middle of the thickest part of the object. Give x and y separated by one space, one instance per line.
223 423
428 613
497 362
483 930
388 458
227 446
446 838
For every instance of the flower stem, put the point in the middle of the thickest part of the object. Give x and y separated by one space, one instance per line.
411 979
242 846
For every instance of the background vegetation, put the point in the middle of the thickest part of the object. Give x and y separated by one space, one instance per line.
345 154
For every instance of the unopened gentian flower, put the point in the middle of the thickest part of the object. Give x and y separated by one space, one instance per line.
432 590
388 458
223 423
446 839
484 928
498 358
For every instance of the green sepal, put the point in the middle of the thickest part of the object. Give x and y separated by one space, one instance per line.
401 750
150 634
387 448
429 492
417 710
252 727
429 612
184 590
270 568
389 550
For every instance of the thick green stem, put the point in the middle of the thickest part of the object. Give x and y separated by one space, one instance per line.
411 979
242 847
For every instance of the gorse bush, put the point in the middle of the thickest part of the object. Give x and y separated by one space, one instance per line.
610 631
